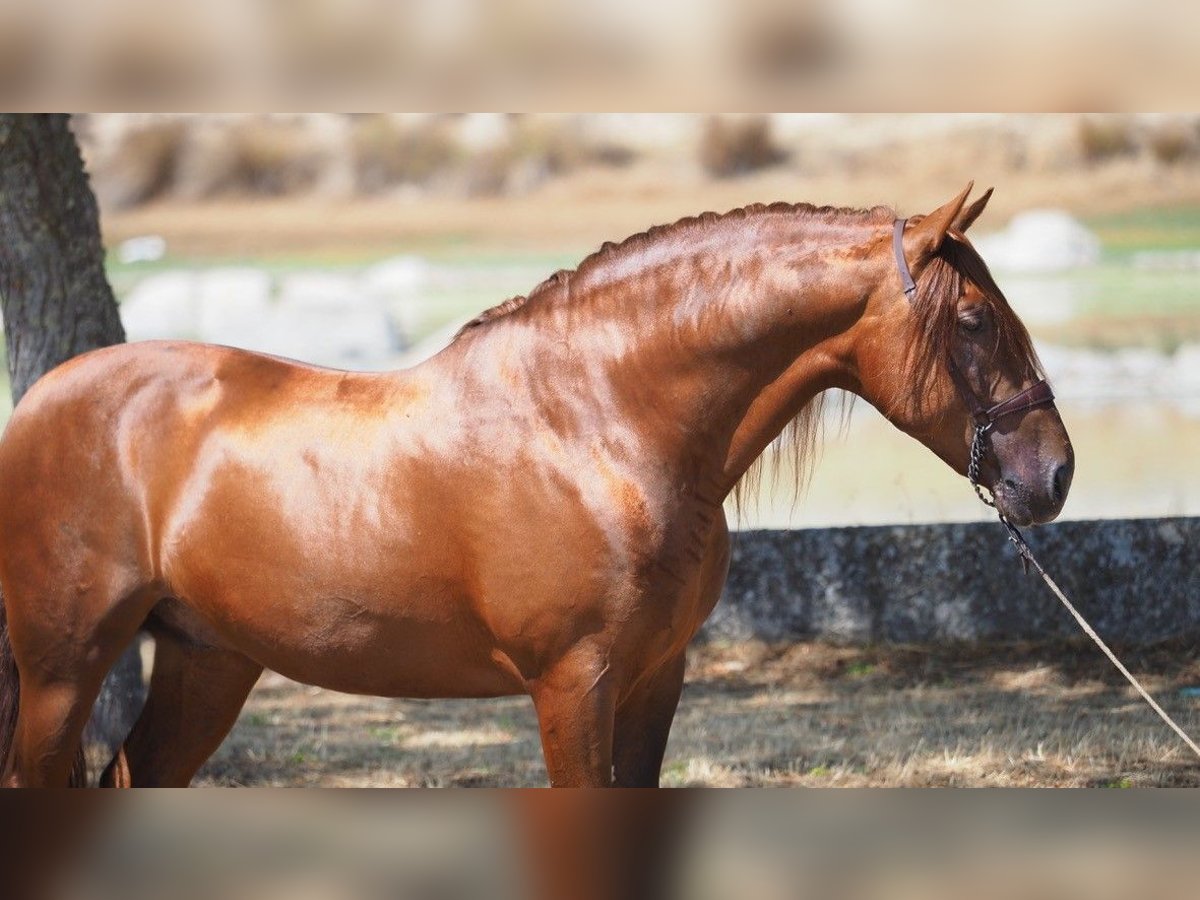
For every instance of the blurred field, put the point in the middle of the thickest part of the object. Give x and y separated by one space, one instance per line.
806 714
573 215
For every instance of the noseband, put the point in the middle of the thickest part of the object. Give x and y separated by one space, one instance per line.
986 417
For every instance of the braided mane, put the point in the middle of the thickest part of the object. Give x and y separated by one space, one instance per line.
611 253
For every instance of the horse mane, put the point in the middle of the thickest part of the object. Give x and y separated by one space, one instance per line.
941 283
612 255
800 437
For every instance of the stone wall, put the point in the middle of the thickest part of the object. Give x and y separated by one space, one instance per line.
1136 580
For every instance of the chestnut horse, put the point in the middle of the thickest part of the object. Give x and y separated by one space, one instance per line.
537 509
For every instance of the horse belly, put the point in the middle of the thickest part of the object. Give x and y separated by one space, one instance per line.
399 658
421 644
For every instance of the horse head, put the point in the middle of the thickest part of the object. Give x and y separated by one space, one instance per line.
946 360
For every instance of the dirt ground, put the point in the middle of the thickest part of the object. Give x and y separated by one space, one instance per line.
804 714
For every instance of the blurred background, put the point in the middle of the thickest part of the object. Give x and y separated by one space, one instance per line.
620 54
631 846
364 241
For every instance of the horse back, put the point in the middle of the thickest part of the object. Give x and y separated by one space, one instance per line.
114 436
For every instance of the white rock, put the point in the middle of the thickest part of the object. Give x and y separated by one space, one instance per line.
399 284
354 338
161 306
322 291
1041 240
147 248
234 306
1185 369
396 276
328 319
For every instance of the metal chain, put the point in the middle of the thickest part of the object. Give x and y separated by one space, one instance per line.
978 448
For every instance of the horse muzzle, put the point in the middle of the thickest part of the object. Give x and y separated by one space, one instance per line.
1035 497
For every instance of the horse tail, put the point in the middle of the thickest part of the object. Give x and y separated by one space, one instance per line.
10 693
10 704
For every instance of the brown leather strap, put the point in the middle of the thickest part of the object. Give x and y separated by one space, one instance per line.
1037 394
906 279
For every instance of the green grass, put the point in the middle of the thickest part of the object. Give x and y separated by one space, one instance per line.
1114 290
1124 234
386 734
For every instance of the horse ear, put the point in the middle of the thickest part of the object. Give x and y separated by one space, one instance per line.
927 234
967 217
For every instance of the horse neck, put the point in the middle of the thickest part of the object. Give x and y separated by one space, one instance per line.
713 354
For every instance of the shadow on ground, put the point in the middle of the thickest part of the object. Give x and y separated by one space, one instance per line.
757 714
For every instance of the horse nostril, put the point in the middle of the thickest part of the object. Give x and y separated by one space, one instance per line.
1062 477
1010 484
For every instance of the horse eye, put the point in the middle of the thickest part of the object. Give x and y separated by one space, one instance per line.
972 321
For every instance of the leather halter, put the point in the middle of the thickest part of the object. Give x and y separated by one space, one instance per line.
986 417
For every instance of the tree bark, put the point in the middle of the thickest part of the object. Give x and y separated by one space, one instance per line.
57 303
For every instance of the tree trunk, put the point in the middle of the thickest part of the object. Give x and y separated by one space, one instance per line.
57 303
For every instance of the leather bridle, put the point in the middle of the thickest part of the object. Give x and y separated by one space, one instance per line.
986 417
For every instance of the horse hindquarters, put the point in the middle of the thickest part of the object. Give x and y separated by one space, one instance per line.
61 666
75 589
10 691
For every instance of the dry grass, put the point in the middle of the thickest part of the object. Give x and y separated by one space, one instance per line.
385 153
574 213
752 714
371 155
1173 142
253 157
141 167
731 147
593 178
1105 137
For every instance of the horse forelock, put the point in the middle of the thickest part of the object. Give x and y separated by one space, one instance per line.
661 242
941 284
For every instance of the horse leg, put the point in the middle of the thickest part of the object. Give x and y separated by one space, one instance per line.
196 693
643 724
575 704
60 670
48 741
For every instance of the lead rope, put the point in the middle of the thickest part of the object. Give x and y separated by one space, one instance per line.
1027 559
